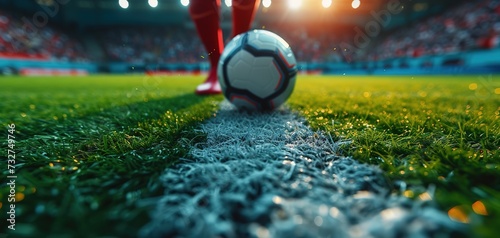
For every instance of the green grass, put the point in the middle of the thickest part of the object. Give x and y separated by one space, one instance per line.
88 149
438 131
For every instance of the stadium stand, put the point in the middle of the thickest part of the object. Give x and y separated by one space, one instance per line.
449 32
41 43
469 26
152 45
178 44
315 46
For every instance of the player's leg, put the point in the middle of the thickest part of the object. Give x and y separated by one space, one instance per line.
243 14
205 15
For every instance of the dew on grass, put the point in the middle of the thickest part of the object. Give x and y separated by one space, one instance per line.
392 213
262 232
479 208
458 214
277 200
318 221
425 196
408 194
323 209
298 219
334 212
491 166
363 194
19 197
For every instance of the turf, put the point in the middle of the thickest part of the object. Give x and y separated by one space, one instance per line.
437 131
88 149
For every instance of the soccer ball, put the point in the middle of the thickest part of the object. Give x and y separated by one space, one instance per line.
257 71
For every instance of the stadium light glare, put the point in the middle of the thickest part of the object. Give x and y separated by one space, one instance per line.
295 4
228 3
355 4
326 3
153 3
266 3
123 4
185 3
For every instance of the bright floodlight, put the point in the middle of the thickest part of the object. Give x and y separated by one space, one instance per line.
266 3
355 4
185 3
123 4
153 3
326 3
294 4
228 2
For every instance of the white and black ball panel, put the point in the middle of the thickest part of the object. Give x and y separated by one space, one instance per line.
280 99
266 40
271 41
230 47
256 76
257 70
244 102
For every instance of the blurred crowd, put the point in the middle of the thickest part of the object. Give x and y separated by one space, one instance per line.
22 39
470 26
312 45
170 45
154 44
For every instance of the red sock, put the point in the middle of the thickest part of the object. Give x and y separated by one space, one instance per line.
243 14
205 15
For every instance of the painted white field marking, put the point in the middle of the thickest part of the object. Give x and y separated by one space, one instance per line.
270 175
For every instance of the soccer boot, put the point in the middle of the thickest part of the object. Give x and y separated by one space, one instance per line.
210 86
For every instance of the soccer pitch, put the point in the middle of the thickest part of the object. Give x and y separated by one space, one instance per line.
89 151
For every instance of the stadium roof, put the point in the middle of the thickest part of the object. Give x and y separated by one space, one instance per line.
111 12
